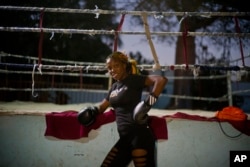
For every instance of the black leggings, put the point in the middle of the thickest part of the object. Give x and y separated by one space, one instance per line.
139 147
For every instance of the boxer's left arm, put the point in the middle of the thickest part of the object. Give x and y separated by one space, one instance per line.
141 110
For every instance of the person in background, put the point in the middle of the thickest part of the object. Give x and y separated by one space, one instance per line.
136 141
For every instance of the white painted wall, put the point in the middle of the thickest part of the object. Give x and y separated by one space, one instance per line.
190 144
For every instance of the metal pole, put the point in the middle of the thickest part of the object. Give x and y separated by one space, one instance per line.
229 89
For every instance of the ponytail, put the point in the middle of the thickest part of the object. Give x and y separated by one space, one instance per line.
132 66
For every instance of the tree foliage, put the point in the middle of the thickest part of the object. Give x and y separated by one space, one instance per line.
194 23
77 47
198 48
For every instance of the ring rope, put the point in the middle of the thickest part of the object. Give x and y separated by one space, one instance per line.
3 54
100 11
140 67
56 73
113 32
106 76
223 98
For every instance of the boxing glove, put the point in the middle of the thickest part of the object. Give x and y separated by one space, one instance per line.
86 116
140 112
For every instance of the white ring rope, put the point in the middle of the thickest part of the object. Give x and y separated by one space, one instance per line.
223 98
102 66
53 89
3 54
56 73
107 76
100 11
78 66
113 32
140 67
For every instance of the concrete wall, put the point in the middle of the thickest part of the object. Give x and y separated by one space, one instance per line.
190 143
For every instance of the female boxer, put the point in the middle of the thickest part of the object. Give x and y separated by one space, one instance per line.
136 141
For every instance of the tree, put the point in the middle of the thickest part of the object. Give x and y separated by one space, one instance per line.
75 47
193 24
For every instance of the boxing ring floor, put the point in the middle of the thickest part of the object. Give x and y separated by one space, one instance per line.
190 142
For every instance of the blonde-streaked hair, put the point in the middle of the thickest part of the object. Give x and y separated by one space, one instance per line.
131 64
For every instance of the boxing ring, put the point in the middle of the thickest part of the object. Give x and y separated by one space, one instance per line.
47 134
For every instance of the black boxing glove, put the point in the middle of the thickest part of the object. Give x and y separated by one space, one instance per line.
87 115
140 112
